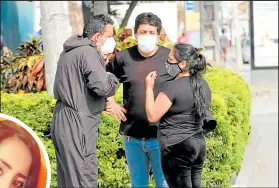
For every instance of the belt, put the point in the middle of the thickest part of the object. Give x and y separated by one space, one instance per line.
141 139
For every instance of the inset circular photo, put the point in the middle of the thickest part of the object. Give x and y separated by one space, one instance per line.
24 161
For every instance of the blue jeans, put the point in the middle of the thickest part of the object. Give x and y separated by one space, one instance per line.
140 153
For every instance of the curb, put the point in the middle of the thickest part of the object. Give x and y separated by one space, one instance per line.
249 160
238 186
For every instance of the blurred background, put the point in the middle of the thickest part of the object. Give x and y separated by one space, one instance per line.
241 36
202 22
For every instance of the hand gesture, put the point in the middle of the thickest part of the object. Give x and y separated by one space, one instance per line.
116 110
150 79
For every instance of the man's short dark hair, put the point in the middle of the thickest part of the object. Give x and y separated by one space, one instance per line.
223 30
96 24
150 19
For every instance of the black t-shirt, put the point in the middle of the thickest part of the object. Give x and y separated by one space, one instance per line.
132 68
179 123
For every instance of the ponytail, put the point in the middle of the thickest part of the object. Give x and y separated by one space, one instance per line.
196 65
196 83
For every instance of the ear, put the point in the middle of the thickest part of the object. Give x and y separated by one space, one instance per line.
157 39
184 65
96 37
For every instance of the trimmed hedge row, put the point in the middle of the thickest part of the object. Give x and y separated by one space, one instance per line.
231 104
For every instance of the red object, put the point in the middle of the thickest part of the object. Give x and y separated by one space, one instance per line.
183 39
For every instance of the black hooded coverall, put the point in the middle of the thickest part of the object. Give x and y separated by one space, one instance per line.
81 86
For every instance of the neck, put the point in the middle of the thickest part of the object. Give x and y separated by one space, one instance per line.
98 47
148 54
182 74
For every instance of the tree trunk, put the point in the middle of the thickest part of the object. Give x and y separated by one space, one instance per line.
99 7
108 5
86 10
76 18
132 6
56 29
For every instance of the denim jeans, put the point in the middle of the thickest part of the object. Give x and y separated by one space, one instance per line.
140 154
182 163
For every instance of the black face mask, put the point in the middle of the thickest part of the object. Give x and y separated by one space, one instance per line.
173 68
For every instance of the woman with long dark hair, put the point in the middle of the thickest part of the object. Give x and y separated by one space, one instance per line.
19 157
182 106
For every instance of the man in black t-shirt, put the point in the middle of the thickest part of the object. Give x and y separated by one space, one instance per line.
131 66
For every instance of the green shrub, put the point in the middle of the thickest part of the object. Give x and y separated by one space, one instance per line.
231 104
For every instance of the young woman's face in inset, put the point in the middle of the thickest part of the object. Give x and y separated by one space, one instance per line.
15 162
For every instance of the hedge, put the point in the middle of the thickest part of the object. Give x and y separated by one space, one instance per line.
231 105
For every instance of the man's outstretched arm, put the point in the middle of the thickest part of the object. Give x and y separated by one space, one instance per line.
113 108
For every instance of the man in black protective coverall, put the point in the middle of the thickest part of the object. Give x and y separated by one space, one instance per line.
81 87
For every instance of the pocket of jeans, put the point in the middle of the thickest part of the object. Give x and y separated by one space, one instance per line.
165 152
190 146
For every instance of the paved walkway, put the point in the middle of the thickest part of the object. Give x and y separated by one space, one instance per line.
260 163
264 120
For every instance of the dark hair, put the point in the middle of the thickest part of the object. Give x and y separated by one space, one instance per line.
9 129
223 30
96 24
150 19
196 65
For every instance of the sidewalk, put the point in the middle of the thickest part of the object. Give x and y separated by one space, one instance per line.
260 164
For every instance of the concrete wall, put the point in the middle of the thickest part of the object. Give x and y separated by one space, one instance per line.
17 21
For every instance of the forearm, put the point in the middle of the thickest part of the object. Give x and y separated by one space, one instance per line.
110 99
149 102
105 88
115 109
109 102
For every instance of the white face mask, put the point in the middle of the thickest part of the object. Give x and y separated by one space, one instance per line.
147 43
108 46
